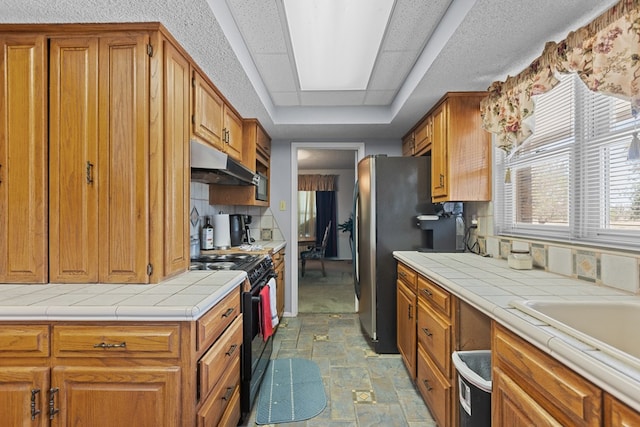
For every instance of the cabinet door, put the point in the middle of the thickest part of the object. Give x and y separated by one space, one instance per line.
23 396
233 138
176 161
439 153
117 396
617 414
513 407
280 284
23 159
208 109
73 134
123 163
406 324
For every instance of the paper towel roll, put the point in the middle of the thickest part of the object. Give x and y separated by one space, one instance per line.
221 234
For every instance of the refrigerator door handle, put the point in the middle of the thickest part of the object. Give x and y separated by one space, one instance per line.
354 246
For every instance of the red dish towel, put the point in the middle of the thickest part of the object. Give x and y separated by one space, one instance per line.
265 313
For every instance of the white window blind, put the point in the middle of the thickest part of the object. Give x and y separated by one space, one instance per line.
571 181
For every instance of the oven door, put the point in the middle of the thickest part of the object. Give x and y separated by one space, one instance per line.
256 351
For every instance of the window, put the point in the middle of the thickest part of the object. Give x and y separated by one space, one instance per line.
571 181
307 214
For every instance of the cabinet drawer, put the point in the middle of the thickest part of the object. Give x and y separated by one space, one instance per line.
231 415
219 357
408 276
434 334
543 376
435 389
437 297
161 341
24 341
216 320
212 410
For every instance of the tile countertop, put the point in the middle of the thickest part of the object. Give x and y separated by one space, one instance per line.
260 247
490 285
185 297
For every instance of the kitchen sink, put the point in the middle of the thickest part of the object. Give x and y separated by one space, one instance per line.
609 326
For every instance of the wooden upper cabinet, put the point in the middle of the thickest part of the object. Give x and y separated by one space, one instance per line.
408 144
208 110
423 136
73 159
233 133
439 152
174 224
23 159
461 150
99 159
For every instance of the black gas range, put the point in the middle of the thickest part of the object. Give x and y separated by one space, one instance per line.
256 350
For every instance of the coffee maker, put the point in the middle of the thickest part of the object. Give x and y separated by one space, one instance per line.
444 230
247 233
236 229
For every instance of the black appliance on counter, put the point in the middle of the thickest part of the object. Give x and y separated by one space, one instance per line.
256 351
391 192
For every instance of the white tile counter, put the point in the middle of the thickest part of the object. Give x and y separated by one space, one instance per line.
184 297
490 285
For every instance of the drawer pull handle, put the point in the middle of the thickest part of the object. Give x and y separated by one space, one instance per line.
228 312
403 274
426 384
427 292
232 349
52 404
409 308
228 393
105 345
89 172
427 332
34 410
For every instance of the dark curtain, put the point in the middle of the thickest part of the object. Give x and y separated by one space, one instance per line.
325 212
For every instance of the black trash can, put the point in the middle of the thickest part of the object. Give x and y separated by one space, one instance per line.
474 386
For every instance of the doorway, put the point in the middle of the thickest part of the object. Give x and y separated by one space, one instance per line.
355 151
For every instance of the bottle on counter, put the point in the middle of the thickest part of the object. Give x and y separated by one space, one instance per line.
207 235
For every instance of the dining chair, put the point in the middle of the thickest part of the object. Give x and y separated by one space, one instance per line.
316 252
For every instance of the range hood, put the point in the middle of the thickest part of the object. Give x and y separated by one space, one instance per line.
212 166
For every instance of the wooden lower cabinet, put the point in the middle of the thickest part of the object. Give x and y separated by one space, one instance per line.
533 385
105 374
278 264
406 324
435 388
116 396
513 407
617 414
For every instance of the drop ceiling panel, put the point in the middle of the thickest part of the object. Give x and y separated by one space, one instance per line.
332 98
412 22
276 72
391 70
260 25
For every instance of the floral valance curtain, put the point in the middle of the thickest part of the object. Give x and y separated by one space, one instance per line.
604 53
317 182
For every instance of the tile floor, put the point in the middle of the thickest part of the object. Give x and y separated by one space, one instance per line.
363 388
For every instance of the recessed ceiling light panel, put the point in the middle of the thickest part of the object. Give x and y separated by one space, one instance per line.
335 42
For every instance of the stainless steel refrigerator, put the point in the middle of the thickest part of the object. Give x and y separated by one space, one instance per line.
390 193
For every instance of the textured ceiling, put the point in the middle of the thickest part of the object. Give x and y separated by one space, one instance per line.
465 47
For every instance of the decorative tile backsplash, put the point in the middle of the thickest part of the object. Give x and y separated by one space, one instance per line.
607 268
616 269
262 218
